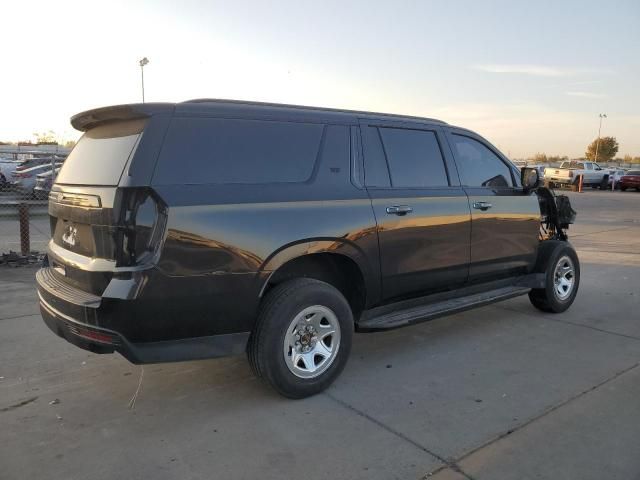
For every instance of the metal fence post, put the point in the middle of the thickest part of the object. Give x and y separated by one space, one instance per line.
23 215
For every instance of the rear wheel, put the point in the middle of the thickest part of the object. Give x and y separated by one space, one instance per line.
302 339
559 262
624 189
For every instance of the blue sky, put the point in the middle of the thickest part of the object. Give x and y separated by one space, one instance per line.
530 76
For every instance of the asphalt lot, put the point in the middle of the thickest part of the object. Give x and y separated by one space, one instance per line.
503 392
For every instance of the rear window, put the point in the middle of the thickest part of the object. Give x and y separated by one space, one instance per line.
101 154
573 165
224 151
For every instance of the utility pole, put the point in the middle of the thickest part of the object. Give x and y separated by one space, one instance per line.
143 62
602 115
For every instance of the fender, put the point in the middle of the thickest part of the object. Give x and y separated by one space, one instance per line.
337 246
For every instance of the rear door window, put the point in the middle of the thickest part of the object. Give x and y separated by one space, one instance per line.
414 158
101 154
478 166
376 172
200 151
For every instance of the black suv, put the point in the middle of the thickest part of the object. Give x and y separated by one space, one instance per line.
213 227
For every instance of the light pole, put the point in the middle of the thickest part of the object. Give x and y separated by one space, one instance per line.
602 115
143 62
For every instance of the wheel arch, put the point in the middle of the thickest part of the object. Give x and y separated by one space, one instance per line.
335 261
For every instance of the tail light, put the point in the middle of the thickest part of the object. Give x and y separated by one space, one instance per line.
570 173
21 175
94 335
141 226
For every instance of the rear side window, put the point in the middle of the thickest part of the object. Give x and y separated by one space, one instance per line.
223 151
101 154
414 158
478 166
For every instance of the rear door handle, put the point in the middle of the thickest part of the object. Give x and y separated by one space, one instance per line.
399 210
482 205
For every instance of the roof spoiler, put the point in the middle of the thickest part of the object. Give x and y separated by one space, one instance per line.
92 118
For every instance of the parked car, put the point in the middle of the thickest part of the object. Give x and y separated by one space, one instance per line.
44 181
4 182
569 173
34 162
25 180
615 174
8 166
279 230
630 179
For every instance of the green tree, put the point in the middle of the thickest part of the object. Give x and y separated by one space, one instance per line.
607 149
538 158
46 138
557 158
628 158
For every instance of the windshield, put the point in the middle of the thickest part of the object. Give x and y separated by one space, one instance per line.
101 154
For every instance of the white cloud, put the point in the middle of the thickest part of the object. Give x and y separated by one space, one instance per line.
537 70
587 94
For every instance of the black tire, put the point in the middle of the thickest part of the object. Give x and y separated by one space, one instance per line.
266 346
623 189
604 184
548 299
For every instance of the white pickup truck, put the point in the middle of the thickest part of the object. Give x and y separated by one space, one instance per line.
568 173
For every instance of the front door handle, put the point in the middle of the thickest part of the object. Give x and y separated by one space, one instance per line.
399 210
482 205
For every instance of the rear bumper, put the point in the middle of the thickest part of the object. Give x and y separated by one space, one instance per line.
571 180
80 318
562 181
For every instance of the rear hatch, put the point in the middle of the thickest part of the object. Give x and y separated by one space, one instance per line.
97 226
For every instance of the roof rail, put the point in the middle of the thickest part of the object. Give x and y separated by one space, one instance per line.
304 107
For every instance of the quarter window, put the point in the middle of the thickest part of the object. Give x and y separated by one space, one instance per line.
478 166
225 151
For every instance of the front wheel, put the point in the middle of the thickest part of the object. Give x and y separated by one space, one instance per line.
302 339
604 183
559 261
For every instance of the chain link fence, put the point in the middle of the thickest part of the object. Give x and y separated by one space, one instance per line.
25 182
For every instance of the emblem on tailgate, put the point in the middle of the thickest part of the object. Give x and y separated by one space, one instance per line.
70 235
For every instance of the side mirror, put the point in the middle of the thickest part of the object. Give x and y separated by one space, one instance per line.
529 178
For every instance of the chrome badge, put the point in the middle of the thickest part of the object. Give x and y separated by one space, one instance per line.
70 236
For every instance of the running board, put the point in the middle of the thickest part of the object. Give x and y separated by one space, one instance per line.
376 319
